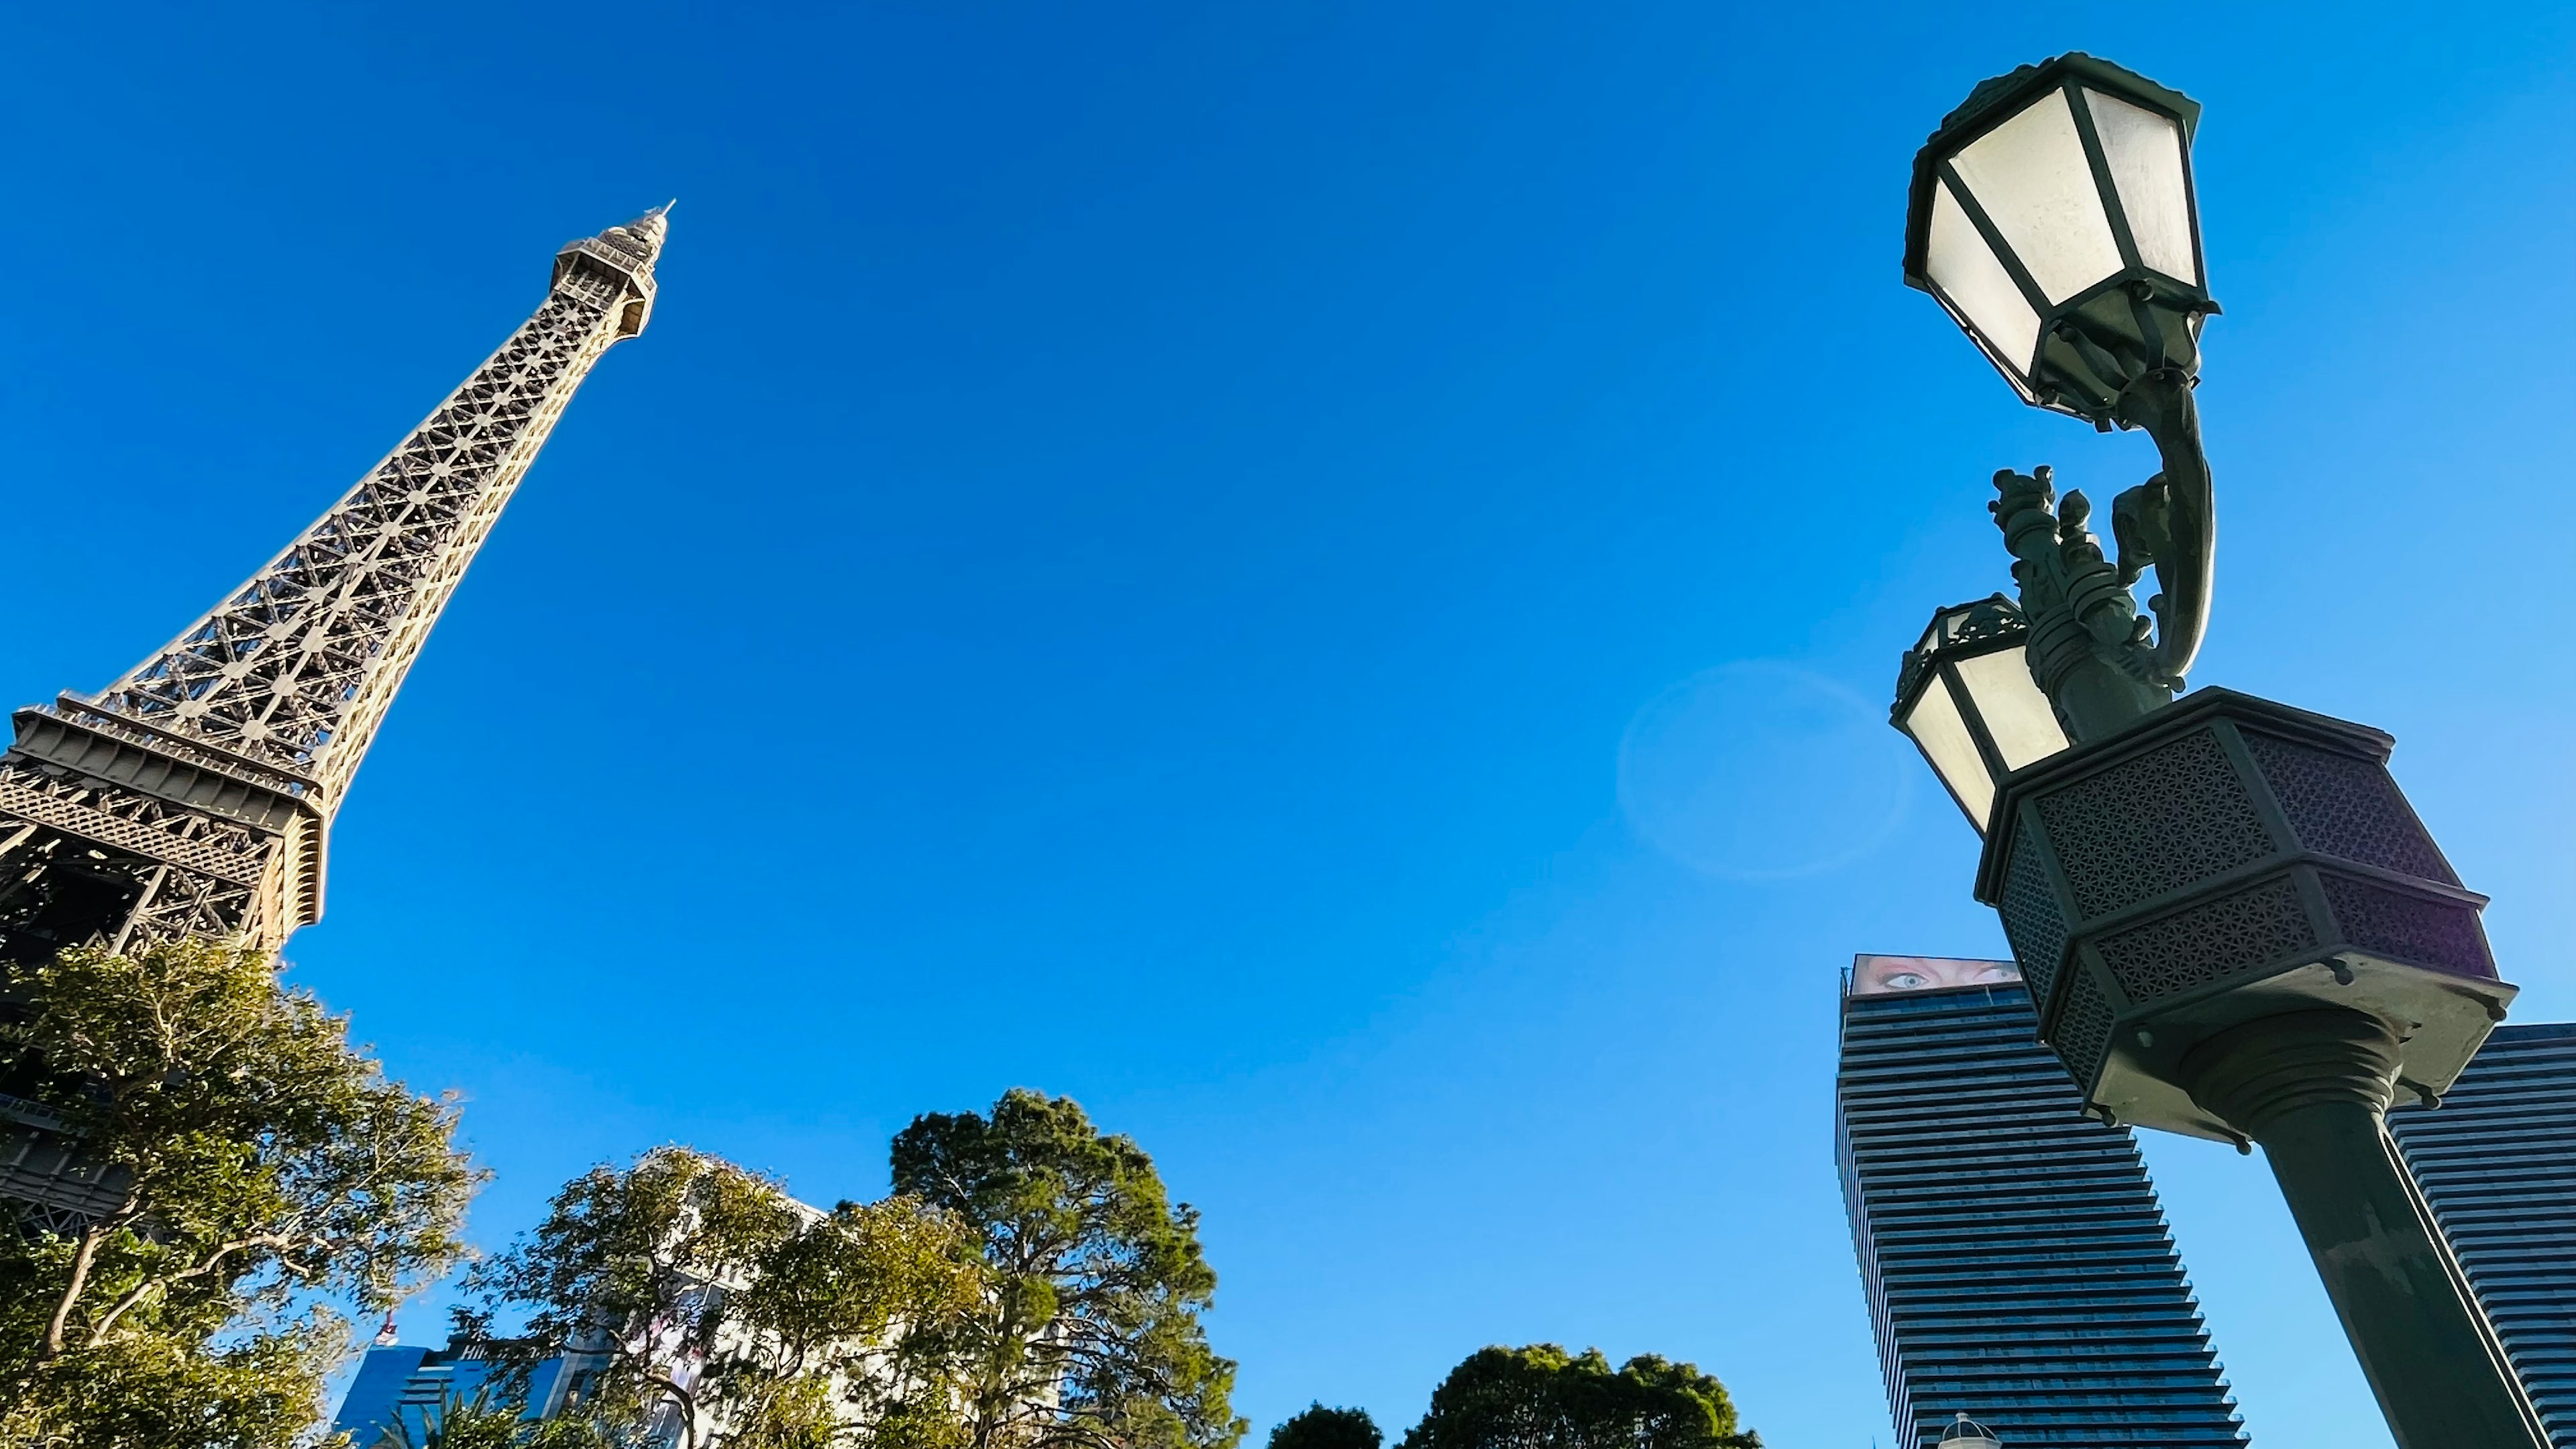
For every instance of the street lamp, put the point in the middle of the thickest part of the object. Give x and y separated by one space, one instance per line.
2232 923
2053 216
1967 700
1967 1433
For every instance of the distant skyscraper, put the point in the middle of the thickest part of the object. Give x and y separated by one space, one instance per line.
2017 1266
2498 1165
401 1390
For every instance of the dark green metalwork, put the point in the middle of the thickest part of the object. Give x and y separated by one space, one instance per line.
2088 645
1956 636
2233 924
2311 1087
2123 353
2222 859
1993 622
2106 339
2170 521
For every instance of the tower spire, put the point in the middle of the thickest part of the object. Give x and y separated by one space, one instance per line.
195 794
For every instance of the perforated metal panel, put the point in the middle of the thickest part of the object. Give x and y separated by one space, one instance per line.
2154 878
2153 824
2342 806
2406 928
2246 931
2032 922
2083 1035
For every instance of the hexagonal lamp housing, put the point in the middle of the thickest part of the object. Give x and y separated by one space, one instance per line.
2228 858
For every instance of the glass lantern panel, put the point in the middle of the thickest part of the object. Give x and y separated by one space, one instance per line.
2010 703
1957 259
2031 177
2145 152
1936 726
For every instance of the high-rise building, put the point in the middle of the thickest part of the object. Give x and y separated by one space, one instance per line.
2017 1266
2497 1164
194 796
401 1390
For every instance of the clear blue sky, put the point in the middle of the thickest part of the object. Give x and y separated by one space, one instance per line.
1144 542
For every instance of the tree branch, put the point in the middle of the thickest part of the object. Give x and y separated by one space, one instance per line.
82 1259
212 1261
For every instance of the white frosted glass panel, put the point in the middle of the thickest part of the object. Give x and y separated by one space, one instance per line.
1957 259
1936 726
2031 177
2010 702
2145 152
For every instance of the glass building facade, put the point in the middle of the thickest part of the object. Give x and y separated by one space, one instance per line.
2017 1266
2497 1163
400 1391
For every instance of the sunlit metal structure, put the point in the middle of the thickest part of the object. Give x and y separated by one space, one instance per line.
194 796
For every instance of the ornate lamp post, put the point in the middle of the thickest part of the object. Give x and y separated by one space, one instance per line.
2232 923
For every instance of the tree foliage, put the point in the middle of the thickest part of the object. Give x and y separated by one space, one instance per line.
1541 1397
715 1299
1317 1427
824 1328
632 1265
1088 1334
265 1175
486 1422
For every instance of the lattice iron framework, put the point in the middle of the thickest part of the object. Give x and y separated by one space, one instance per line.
194 796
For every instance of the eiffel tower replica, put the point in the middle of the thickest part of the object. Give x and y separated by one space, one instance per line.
194 796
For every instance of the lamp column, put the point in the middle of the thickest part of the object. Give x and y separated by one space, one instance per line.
2235 927
2310 1087
2232 923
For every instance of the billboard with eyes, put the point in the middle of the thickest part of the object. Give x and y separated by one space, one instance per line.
1887 975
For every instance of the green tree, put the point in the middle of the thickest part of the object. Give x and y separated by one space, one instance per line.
634 1265
266 1177
1541 1397
486 1422
1317 1427
819 1356
715 1298
1088 1335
